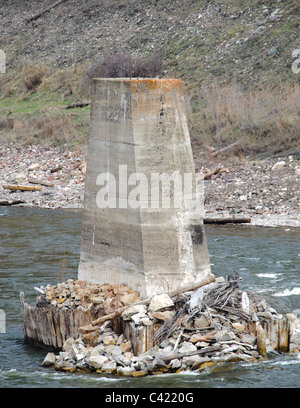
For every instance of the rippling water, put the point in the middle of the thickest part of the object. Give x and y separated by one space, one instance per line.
38 247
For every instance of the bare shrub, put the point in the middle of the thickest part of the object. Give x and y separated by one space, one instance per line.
124 65
32 75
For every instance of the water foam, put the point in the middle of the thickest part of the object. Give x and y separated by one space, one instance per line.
288 292
267 275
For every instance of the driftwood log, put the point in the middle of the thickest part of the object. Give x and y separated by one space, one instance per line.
41 182
10 203
41 13
227 220
204 350
224 149
212 173
77 105
209 279
22 188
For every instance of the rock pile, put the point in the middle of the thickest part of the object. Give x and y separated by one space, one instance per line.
78 293
195 330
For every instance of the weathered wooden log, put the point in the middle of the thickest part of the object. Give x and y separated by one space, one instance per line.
224 149
10 203
276 333
283 336
204 350
55 169
211 173
22 188
261 340
41 182
209 279
41 13
77 105
227 220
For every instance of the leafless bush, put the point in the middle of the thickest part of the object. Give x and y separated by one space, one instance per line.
124 65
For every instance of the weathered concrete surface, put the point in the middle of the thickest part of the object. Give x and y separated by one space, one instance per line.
138 132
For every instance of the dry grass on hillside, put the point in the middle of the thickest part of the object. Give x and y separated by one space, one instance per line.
263 121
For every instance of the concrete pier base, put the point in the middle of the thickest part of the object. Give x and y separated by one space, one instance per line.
143 210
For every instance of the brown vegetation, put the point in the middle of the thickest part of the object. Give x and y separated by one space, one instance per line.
262 120
123 65
32 75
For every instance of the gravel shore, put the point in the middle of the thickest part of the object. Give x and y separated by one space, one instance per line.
267 191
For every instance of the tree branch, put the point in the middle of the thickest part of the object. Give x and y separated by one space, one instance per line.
38 15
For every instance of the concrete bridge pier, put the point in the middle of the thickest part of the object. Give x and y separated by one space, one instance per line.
143 211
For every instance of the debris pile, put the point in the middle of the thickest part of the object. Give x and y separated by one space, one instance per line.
97 299
194 330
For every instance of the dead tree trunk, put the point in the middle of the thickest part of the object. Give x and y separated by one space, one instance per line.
41 13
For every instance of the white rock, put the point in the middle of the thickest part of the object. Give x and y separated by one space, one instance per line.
224 335
125 370
187 347
136 318
67 346
190 360
33 166
109 367
20 178
78 352
97 361
243 198
230 349
159 302
146 321
245 303
49 360
196 299
108 340
166 315
278 165
132 310
297 171
175 363
113 350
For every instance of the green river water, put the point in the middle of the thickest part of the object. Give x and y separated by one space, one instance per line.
38 247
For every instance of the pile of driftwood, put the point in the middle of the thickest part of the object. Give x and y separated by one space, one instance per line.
190 329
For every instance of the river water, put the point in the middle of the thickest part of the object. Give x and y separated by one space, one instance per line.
38 247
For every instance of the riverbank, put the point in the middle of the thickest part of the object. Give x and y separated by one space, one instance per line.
266 190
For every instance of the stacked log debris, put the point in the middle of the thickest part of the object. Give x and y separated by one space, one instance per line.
194 330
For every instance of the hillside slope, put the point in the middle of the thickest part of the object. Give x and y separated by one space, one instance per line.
222 44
